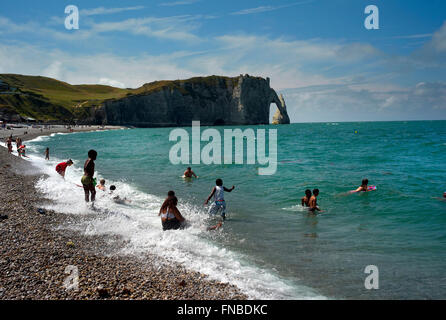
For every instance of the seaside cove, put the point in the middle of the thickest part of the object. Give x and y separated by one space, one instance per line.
271 247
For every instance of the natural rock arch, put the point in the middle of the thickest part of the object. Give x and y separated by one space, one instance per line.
281 115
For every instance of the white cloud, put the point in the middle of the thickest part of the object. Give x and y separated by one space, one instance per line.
414 36
84 69
53 70
178 28
438 42
111 82
425 101
332 80
261 9
173 28
102 10
178 3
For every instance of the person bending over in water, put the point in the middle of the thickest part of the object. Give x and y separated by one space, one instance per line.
313 201
62 167
364 186
171 218
22 151
189 173
101 185
87 179
219 204
306 200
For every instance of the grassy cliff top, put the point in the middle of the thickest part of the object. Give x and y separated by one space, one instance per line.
67 95
45 98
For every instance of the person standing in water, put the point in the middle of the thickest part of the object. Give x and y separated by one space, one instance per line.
306 200
87 178
171 218
189 173
313 201
47 154
18 142
219 204
62 167
9 144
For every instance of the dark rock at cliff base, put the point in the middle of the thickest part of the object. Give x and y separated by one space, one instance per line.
244 100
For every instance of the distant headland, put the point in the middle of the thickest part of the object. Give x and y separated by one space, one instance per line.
213 100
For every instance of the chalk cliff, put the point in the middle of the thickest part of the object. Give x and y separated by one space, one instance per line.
244 100
214 100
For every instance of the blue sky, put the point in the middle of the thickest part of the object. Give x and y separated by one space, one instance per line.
316 52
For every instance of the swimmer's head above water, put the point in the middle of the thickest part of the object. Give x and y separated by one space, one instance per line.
444 194
316 192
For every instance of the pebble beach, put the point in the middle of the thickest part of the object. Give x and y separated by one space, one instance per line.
35 251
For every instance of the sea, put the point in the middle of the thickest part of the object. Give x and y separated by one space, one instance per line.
270 246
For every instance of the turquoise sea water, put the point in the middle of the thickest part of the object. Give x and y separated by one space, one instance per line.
400 228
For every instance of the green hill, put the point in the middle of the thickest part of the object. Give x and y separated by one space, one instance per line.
46 99
49 99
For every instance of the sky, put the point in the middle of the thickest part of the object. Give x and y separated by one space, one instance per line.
317 53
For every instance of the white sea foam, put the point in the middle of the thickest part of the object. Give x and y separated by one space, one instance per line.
139 225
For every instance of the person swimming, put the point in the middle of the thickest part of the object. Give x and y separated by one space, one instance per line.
117 199
306 200
363 188
189 173
219 204
171 218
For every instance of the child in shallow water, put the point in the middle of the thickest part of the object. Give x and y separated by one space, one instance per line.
306 200
219 204
313 201
101 185
117 199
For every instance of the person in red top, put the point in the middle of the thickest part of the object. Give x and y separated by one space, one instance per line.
61 167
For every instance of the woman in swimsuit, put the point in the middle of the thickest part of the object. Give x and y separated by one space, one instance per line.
87 179
171 218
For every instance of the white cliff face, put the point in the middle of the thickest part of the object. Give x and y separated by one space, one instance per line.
244 100
281 115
